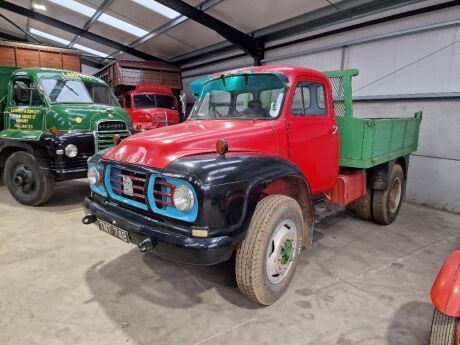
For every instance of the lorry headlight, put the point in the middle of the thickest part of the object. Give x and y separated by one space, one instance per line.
71 151
93 175
183 198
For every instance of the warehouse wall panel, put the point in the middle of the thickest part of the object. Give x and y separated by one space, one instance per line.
396 61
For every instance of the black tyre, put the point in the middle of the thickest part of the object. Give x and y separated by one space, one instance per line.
363 206
25 181
386 203
443 329
266 260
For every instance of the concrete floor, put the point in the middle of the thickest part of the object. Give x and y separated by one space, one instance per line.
65 283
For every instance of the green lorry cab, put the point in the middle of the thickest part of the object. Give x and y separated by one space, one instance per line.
51 122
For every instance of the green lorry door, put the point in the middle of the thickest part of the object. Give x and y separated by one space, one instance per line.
364 142
5 74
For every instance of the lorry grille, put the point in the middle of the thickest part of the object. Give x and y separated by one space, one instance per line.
128 186
107 130
163 193
147 191
108 126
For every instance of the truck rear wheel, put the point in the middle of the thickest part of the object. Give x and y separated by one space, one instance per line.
386 203
25 181
444 329
363 206
267 258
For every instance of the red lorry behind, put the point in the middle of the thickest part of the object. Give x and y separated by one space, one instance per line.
149 91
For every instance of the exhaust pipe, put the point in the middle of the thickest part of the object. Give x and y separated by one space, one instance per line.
146 245
89 219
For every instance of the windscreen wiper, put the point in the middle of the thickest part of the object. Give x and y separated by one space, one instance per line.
61 78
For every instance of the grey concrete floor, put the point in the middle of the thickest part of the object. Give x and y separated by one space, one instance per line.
65 283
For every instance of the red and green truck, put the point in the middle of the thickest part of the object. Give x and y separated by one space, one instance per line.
149 91
51 120
242 174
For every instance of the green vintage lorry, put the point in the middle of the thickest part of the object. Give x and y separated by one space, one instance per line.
51 122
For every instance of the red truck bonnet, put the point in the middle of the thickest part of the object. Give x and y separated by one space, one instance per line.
159 147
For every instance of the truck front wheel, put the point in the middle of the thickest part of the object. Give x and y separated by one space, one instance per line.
267 258
25 181
386 203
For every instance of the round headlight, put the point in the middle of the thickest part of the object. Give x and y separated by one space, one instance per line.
71 151
93 175
183 198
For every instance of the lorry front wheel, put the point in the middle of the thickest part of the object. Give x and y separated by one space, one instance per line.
25 181
267 258
444 329
386 203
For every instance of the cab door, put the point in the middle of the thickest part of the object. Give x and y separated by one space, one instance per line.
313 133
25 106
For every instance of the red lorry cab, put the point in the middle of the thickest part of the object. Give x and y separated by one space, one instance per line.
311 142
151 106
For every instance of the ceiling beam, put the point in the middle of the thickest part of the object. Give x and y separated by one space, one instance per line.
75 30
92 20
253 47
338 13
361 25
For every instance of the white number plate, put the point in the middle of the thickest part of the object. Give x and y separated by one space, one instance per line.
114 231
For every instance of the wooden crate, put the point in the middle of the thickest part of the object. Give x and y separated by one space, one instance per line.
25 55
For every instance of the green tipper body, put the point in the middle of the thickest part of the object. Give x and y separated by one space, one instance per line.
365 143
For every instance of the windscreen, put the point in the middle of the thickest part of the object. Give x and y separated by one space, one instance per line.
61 90
242 96
153 101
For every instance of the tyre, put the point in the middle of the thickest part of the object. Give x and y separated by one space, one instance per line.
444 329
363 206
25 181
266 260
386 203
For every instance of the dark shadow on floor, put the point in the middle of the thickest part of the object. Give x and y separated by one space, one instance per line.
147 291
163 282
411 325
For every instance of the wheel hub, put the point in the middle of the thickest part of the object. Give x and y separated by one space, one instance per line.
395 195
281 251
23 178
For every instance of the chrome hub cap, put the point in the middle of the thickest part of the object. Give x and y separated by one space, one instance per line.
395 195
281 251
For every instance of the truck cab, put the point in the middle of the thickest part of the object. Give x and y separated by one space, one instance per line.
52 122
151 106
260 146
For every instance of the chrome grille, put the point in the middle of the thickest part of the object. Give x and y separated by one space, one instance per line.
163 193
107 130
139 184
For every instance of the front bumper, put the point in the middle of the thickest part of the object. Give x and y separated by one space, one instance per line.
167 243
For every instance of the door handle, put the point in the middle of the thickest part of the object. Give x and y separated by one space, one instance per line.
334 130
